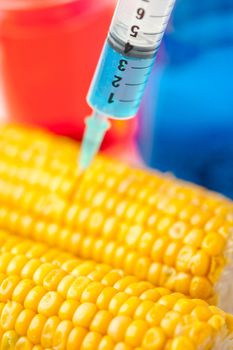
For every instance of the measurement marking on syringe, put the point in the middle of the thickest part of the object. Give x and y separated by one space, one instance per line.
136 84
155 16
143 67
127 101
157 33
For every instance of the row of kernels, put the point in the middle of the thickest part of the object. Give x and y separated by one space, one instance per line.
32 140
119 328
35 181
53 207
196 263
37 329
158 274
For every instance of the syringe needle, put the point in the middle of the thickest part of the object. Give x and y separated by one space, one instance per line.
96 128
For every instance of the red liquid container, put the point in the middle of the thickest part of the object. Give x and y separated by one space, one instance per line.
50 49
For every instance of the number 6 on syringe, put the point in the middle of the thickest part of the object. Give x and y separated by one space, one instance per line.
140 13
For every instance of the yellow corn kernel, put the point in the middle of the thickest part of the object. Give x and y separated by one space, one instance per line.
122 346
21 248
181 343
33 298
201 332
91 292
145 243
200 263
106 343
178 230
184 306
152 294
202 313
184 257
50 303
84 314
169 300
118 326
21 290
183 282
61 335
83 269
7 287
41 272
120 255
217 322
142 309
38 249
141 268
91 341
112 277
136 289
35 328
154 273
5 259
124 282
135 332
76 337
171 253
9 339
214 223
65 284
130 261
23 344
200 288
213 243
16 265
109 228
30 268
117 301
159 247
154 339
194 238
156 314
105 297
48 331
9 315
23 321
170 322
69 265
101 322
67 309
52 279
77 288
129 306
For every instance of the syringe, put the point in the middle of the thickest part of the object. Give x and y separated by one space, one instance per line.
125 64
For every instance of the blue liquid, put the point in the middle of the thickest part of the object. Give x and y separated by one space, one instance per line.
119 84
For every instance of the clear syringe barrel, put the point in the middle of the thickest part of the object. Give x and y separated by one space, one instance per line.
128 56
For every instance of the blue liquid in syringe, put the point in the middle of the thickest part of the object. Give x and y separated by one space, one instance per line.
119 83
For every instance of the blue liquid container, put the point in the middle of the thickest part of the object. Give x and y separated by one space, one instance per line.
186 120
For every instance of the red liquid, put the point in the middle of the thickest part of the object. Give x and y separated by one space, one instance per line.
49 57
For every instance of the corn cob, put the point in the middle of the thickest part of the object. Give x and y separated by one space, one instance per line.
170 233
51 300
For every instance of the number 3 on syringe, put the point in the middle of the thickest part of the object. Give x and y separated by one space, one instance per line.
117 79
